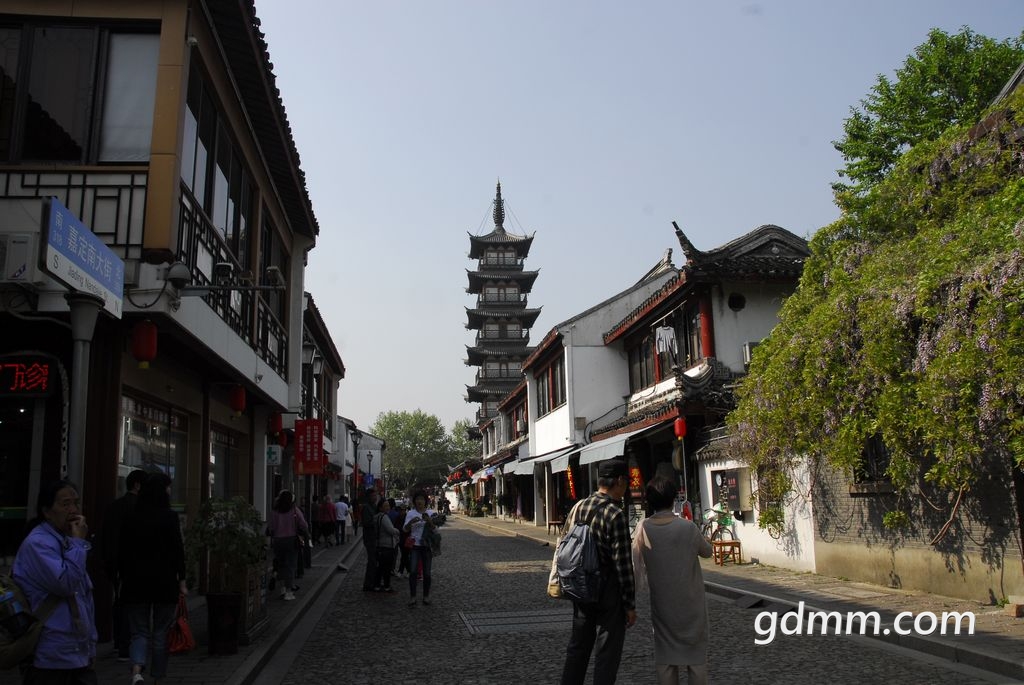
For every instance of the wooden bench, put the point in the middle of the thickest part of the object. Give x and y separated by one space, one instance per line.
556 525
726 550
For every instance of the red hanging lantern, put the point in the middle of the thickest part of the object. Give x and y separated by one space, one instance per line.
144 336
276 422
237 400
680 428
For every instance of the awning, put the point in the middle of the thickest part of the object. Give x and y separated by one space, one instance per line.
523 468
561 462
544 458
608 448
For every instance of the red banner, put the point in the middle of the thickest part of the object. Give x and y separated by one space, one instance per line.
309 448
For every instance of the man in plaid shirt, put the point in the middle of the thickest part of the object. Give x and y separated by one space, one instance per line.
603 624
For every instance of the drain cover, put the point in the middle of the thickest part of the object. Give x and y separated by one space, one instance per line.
480 623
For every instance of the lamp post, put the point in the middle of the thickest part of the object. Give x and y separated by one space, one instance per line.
357 436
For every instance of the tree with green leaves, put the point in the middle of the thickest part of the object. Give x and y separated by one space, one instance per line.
907 328
464 448
950 79
418 449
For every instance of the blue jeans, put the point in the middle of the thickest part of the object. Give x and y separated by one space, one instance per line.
146 634
416 555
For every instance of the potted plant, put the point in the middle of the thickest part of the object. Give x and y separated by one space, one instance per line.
227 536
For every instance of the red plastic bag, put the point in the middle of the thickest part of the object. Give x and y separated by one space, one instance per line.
179 637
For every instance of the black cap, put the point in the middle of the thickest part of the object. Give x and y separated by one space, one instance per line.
612 468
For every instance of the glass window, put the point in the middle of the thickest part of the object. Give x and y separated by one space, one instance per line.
155 438
558 383
60 87
129 97
10 46
224 446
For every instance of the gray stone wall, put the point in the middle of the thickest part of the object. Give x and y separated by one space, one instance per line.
978 558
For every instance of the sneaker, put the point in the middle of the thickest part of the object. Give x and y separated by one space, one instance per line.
412 602
288 597
137 679
283 593
426 600
389 589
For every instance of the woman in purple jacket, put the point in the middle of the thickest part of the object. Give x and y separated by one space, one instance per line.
51 561
285 525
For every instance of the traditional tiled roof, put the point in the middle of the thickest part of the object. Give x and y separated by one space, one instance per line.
247 54
767 251
478 279
476 356
476 318
483 393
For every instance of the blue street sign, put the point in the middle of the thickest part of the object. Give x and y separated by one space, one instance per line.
77 258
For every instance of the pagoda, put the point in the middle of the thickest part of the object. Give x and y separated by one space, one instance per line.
501 319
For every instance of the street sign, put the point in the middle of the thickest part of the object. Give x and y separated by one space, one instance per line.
309 447
273 455
73 255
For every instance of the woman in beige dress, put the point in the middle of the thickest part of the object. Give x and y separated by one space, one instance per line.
665 553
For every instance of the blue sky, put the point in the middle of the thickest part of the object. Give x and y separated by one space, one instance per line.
605 121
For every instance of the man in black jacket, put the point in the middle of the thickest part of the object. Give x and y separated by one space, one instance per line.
366 515
113 520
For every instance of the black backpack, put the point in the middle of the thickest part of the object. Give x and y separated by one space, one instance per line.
578 561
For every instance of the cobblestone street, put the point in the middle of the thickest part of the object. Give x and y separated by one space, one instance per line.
490 622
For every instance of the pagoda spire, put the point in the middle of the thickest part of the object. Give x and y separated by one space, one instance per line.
499 211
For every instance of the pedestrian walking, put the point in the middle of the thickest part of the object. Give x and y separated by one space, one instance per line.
666 555
387 538
367 512
119 511
328 524
285 527
602 624
403 549
151 563
341 516
418 520
51 561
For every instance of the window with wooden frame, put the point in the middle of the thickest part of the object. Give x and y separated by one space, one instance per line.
551 386
76 93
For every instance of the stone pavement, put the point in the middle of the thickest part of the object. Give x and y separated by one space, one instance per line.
997 645
996 648
198 667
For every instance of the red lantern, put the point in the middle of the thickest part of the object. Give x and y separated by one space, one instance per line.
144 343
237 400
276 423
680 428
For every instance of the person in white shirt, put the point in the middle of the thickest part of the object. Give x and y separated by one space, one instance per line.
416 521
341 514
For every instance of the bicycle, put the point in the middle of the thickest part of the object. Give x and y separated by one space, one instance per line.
717 526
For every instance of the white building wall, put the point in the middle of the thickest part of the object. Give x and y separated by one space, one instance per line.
753 323
795 548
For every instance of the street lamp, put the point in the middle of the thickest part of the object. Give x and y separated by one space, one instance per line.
357 436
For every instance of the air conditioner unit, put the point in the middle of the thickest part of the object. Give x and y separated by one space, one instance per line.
520 426
18 255
748 350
